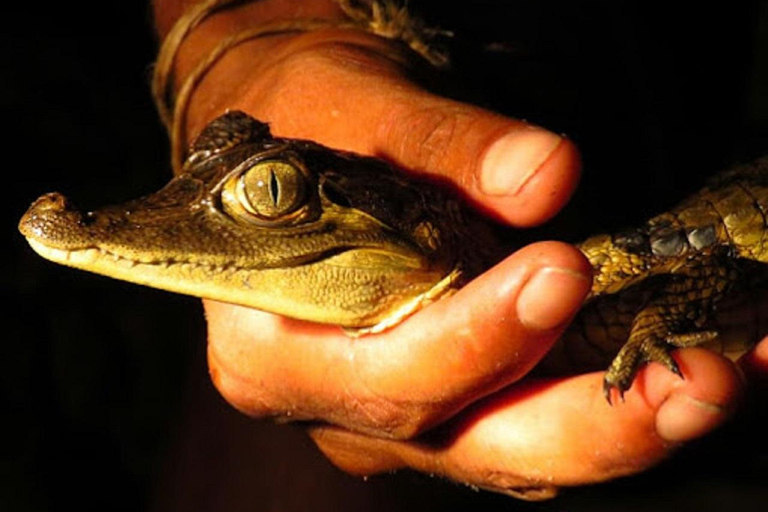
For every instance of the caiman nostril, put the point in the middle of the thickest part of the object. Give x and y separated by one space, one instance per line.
53 201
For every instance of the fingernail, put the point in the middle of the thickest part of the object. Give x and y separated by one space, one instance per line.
551 297
513 159
682 418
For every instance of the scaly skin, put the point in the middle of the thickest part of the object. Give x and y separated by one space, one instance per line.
298 229
688 259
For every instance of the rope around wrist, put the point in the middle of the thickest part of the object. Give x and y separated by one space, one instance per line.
381 17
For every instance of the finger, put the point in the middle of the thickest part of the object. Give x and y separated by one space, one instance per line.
517 172
351 96
419 373
538 436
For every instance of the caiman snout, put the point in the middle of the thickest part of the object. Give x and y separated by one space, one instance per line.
54 219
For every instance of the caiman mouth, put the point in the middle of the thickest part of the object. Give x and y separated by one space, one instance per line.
59 232
357 258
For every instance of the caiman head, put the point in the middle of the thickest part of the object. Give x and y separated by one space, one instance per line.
282 225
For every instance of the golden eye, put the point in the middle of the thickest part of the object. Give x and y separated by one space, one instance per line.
270 190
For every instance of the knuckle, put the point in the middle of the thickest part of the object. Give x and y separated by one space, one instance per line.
425 138
433 136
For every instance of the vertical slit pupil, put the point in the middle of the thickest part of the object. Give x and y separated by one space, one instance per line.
274 187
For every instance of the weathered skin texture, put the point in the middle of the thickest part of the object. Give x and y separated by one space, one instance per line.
298 229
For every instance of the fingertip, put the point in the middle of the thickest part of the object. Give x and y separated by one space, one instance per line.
695 405
514 158
537 309
683 418
528 174
557 280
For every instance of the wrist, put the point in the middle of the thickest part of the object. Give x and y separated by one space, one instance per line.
167 12
228 19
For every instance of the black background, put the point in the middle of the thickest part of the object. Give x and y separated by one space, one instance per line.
105 396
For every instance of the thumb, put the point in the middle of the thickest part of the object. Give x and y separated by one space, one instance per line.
517 172
348 97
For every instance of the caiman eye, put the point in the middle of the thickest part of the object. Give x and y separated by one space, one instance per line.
271 190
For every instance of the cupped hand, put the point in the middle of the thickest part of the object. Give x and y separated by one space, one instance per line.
441 392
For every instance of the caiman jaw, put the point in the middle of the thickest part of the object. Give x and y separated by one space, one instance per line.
309 286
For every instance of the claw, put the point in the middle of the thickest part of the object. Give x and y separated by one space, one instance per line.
674 368
632 356
608 392
659 353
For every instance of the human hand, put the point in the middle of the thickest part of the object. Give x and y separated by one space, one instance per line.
452 364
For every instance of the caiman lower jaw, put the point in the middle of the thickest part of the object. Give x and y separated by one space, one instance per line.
363 290
103 262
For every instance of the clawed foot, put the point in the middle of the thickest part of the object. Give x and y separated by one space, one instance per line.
630 358
638 351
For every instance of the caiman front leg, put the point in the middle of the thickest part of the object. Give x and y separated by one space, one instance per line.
676 316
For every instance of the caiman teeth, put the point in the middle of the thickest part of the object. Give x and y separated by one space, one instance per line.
78 257
86 257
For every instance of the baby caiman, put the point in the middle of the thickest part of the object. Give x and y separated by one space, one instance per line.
295 228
